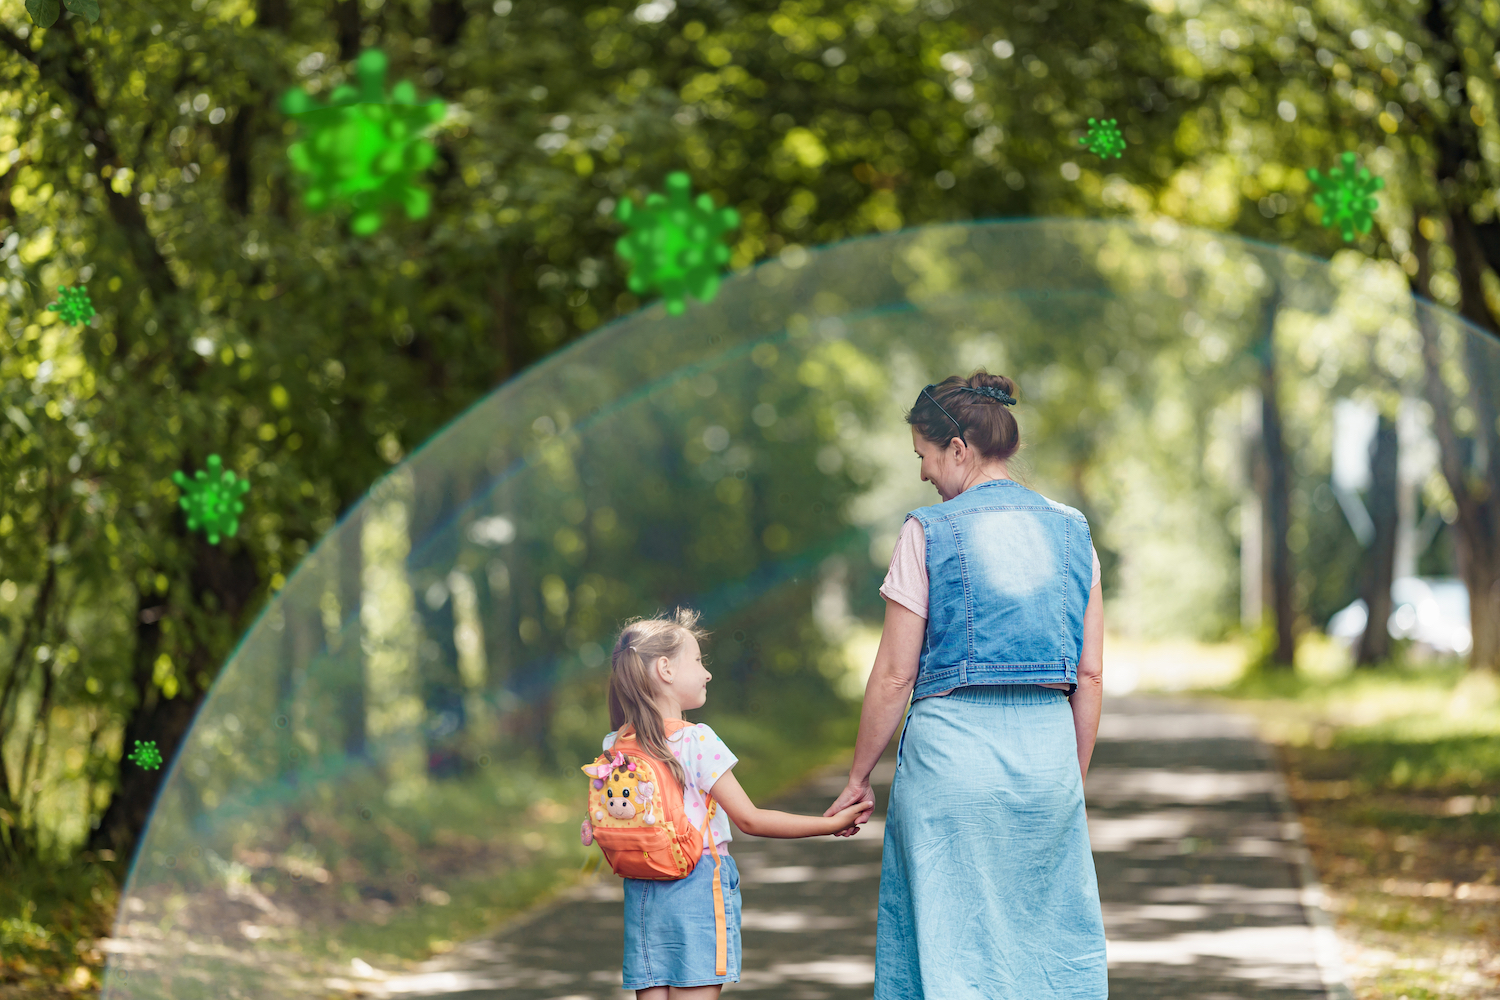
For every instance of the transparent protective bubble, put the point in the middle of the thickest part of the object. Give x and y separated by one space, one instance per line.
391 754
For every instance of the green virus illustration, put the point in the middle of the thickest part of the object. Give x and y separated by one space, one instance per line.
212 499
1346 196
1103 139
363 148
73 305
146 755
674 244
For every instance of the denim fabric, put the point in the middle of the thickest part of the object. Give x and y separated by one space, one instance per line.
1008 576
669 928
987 884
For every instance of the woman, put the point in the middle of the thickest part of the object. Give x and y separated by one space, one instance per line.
995 628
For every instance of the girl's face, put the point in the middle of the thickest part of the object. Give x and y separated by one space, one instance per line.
684 676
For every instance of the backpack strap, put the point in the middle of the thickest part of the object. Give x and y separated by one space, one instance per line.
721 931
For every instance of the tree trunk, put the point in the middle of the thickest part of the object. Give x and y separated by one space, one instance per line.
232 579
347 27
1278 491
1477 525
350 647
1375 643
1457 143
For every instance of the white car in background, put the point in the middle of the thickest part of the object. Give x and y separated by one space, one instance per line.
1432 610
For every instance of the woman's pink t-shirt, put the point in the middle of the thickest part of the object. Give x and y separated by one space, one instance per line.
906 580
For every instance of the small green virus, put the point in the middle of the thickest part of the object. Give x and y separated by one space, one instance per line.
1347 196
363 148
73 305
212 499
1103 139
674 244
146 755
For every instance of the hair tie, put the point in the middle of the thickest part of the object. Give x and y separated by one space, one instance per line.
1005 398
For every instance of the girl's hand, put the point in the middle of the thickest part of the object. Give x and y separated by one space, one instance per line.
850 817
586 832
855 791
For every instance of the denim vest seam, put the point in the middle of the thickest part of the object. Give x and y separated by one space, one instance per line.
1062 622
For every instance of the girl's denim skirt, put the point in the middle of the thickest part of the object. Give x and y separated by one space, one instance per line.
669 928
987 885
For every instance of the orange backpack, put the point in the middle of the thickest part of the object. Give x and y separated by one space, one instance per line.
639 818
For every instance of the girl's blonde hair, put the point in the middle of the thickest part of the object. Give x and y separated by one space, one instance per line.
632 689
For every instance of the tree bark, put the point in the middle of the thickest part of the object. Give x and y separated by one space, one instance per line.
1476 525
1278 503
446 19
1375 643
350 651
1457 143
347 27
232 580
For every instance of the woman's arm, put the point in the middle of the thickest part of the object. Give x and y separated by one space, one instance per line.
1088 700
892 678
775 823
889 688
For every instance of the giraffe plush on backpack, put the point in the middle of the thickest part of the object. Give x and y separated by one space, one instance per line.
637 813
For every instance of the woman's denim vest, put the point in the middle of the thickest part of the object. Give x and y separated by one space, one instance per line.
1008 577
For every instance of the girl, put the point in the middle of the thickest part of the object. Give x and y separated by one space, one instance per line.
657 674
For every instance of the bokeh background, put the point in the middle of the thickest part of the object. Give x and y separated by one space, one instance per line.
1218 433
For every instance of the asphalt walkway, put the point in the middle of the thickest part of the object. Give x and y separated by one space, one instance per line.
1201 873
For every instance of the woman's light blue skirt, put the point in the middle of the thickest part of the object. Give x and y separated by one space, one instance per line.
987 885
669 928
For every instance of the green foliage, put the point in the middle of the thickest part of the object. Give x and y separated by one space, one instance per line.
1346 196
365 148
674 243
44 13
211 499
1103 139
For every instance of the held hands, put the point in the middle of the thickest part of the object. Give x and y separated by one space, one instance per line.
850 817
853 806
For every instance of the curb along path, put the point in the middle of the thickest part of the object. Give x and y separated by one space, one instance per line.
1200 874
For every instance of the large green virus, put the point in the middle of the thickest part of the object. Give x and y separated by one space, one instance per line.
674 244
146 755
73 305
211 499
1103 139
1347 196
365 149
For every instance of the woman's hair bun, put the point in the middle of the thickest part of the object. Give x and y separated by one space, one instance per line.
985 418
982 379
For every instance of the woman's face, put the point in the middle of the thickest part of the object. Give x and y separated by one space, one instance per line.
953 467
938 464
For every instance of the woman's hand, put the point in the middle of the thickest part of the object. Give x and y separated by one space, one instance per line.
850 817
854 792
586 832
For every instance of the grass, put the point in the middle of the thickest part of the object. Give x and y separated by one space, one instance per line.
1395 772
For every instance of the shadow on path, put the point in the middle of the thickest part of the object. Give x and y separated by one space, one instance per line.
1198 873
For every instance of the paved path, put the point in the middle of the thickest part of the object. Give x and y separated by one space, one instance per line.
1199 873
